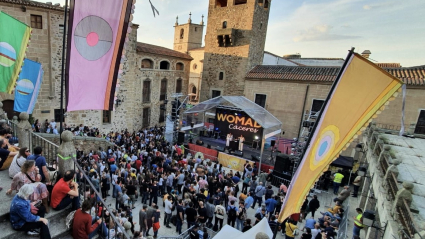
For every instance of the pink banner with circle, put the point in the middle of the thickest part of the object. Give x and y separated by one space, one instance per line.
96 39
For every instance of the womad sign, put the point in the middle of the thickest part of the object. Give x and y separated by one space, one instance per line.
238 123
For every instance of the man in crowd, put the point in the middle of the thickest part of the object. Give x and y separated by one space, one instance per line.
65 192
40 162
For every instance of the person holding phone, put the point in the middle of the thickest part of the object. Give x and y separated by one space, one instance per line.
84 226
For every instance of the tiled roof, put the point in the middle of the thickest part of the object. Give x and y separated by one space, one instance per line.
159 50
34 4
410 75
388 65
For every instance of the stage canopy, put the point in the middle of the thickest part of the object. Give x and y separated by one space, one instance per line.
271 125
343 162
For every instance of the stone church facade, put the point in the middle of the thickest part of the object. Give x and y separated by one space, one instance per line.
152 74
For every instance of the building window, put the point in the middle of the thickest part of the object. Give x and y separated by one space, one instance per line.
266 3
194 93
196 29
106 116
221 75
147 63
181 33
316 106
224 24
179 66
61 28
238 2
420 125
220 40
260 2
215 93
195 66
179 84
163 92
36 21
164 65
221 3
162 113
260 99
146 116
146 91
58 115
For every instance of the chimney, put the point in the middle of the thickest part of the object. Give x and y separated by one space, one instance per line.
366 54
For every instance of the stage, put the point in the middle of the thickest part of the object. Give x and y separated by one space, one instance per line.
248 151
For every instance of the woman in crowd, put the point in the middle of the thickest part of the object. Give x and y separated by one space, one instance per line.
29 175
18 160
22 217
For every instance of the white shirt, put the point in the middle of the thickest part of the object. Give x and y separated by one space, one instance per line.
168 206
14 167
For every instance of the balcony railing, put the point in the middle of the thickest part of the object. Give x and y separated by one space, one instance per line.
407 220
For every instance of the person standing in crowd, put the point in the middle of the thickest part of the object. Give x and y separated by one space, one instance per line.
210 211
143 222
22 217
65 192
232 212
219 215
191 215
271 205
313 205
290 229
247 225
358 223
155 221
154 193
168 211
240 219
356 184
337 180
259 193
180 216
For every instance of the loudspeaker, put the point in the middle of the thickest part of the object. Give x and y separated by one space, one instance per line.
283 163
238 153
180 137
255 158
220 149
272 143
199 142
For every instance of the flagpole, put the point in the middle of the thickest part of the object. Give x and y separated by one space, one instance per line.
65 21
335 83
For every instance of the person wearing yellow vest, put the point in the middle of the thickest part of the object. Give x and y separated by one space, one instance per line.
337 181
358 223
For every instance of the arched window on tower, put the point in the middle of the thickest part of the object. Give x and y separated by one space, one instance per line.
181 33
164 65
224 24
194 93
238 2
266 3
221 3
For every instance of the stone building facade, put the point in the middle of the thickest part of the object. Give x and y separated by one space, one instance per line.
137 106
234 44
291 92
45 47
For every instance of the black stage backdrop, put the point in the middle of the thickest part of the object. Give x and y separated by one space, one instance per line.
238 123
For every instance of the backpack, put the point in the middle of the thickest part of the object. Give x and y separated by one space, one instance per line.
269 193
69 220
232 212
242 215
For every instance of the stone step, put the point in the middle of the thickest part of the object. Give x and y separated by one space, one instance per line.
56 225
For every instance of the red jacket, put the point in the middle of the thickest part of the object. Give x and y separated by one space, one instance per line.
82 225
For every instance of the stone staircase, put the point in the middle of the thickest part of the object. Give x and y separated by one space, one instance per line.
56 219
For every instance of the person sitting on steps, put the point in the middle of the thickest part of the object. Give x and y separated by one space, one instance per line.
65 192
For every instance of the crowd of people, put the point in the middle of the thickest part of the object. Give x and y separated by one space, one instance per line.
144 166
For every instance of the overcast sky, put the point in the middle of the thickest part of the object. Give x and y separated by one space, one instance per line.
393 30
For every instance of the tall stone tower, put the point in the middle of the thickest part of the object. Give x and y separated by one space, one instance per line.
234 44
188 36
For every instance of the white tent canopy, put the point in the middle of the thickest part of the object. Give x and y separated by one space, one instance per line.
229 232
269 123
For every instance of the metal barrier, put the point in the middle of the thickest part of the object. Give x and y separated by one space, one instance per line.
407 220
277 181
50 149
343 225
98 197
186 234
